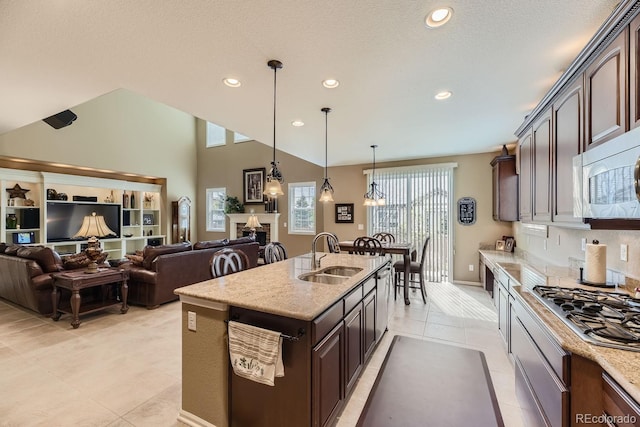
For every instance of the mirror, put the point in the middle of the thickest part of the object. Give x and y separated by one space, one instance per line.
181 220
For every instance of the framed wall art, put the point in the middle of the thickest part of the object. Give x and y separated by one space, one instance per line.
253 185
344 213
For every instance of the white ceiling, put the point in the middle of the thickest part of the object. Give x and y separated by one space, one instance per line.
498 57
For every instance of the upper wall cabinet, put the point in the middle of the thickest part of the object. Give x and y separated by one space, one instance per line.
525 161
505 187
634 74
606 93
568 140
541 137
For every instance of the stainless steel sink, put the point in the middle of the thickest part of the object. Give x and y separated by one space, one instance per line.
333 275
339 270
322 278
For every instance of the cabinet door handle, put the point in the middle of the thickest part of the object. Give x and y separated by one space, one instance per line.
636 180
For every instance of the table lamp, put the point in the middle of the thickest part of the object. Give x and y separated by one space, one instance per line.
93 226
252 224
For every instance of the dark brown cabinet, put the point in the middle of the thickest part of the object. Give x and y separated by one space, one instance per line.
606 93
369 308
634 73
328 376
505 187
354 351
568 140
541 168
525 181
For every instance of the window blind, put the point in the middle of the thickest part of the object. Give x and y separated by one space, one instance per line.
418 204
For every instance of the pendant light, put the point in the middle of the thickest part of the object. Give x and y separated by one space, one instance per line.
374 197
274 178
326 190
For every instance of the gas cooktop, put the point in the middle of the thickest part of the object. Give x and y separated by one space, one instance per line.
610 319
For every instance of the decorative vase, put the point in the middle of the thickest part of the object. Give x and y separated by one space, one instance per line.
132 200
12 221
125 200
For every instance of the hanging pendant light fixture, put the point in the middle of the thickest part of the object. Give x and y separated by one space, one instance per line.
274 178
374 197
326 190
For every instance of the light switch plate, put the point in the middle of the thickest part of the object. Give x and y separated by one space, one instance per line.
360 226
191 320
623 252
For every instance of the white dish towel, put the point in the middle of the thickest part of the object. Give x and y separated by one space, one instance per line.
255 353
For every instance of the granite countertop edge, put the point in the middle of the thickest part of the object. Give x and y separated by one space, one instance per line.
621 365
276 289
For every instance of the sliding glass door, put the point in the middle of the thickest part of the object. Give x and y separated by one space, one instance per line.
418 204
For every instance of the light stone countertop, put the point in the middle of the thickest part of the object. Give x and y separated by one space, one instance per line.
622 365
276 289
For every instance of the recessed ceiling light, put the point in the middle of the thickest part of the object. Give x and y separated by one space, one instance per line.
438 17
297 123
231 82
330 83
443 95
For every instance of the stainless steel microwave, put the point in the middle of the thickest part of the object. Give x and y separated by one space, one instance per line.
607 179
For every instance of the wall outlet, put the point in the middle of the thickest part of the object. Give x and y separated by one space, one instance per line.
284 225
623 252
191 320
471 267
583 244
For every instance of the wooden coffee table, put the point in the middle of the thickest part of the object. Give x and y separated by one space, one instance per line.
77 280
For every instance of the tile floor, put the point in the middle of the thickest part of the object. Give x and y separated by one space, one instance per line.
120 370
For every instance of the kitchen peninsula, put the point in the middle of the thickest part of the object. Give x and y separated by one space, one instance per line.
332 320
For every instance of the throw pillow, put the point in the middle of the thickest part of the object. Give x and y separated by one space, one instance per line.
136 259
241 240
12 250
42 255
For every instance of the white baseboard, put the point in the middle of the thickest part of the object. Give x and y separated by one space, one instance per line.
192 420
465 282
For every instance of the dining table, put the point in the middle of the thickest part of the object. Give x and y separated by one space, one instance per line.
398 248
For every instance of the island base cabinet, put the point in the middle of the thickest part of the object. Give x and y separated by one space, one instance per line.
288 402
328 377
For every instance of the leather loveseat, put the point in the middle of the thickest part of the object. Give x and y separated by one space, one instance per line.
162 269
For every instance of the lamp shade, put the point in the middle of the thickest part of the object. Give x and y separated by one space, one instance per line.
253 222
94 226
273 188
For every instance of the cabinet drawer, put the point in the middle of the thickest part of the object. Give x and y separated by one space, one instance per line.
618 404
503 278
369 285
353 298
326 321
548 390
552 352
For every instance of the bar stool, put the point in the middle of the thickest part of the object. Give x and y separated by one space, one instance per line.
228 261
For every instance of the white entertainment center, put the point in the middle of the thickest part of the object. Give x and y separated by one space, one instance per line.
25 220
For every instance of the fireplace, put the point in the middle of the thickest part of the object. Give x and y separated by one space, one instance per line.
269 222
261 236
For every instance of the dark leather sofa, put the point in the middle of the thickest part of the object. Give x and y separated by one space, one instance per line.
162 269
25 276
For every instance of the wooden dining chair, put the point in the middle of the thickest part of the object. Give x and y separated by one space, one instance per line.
367 246
228 261
274 252
385 237
415 268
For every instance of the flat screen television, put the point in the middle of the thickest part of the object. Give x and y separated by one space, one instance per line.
65 218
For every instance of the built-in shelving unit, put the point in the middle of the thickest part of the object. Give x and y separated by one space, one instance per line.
25 220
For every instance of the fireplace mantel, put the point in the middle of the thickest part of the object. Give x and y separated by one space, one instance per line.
264 218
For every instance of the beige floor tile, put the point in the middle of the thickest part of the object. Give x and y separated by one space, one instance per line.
125 370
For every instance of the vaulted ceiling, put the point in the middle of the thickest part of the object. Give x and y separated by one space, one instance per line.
497 57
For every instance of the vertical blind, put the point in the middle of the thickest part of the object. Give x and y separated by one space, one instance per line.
418 205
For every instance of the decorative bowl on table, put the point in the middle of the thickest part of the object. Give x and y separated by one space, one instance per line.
128 235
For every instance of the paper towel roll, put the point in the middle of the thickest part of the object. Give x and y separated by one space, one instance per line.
596 264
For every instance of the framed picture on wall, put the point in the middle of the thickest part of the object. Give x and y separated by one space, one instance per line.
344 213
253 185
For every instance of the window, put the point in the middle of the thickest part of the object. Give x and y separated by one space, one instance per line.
238 137
302 208
418 204
216 135
216 220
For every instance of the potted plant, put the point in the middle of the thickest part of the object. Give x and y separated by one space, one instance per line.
233 205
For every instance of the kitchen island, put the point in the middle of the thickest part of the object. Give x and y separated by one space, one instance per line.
334 322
